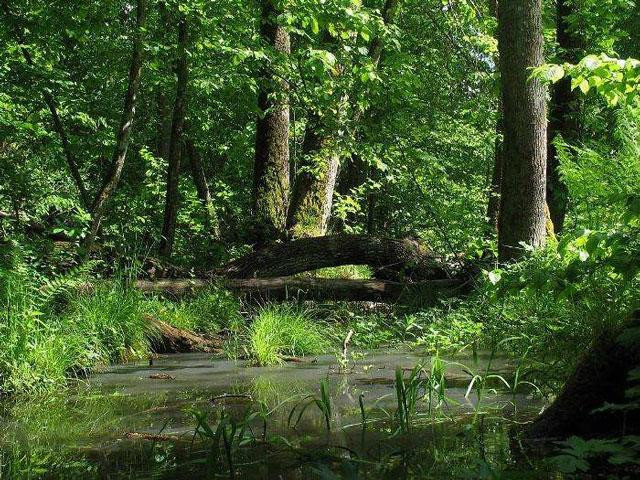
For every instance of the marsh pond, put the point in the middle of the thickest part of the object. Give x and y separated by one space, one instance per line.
383 414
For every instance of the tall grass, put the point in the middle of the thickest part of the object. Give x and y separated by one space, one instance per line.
281 330
52 329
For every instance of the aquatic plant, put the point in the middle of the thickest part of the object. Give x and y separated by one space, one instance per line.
280 330
322 402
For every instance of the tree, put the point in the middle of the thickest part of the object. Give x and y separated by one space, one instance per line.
522 208
563 119
493 207
175 143
124 131
211 223
270 198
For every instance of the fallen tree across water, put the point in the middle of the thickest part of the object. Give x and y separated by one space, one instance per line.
390 258
405 271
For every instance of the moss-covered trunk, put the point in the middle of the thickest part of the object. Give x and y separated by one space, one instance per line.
312 196
270 197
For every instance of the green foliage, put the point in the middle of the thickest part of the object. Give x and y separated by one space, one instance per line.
576 455
206 312
280 330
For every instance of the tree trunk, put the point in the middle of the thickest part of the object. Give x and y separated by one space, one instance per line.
124 131
288 288
271 169
163 129
172 198
493 207
601 377
202 187
357 170
57 122
563 119
312 196
388 257
522 207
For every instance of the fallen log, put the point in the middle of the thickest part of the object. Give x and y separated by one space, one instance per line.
166 338
389 258
284 288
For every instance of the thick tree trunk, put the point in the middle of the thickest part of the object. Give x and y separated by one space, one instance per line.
601 377
388 257
124 131
57 122
312 196
202 187
522 207
172 198
563 117
271 169
288 288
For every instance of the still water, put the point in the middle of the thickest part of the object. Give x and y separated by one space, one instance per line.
193 416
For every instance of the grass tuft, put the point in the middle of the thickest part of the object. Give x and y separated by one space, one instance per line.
280 330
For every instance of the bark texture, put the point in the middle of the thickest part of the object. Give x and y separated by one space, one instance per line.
172 198
312 196
202 187
124 131
522 207
600 377
390 258
563 119
271 166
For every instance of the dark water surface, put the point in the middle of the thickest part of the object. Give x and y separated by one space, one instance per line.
138 421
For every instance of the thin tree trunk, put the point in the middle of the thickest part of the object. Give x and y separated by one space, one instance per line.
172 198
202 187
57 122
334 289
271 169
563 117
493 207
522 207
124 131
357 171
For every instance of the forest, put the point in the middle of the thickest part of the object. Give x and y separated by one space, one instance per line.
286 239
